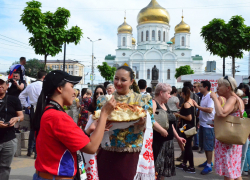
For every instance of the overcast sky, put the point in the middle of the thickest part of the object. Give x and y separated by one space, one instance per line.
100 19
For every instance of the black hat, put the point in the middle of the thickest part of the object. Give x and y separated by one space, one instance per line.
54 78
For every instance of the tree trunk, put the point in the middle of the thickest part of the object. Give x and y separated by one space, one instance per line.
233 67
45 61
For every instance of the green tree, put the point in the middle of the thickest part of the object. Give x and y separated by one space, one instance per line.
32 67
227 39
106 71
183 70
48 29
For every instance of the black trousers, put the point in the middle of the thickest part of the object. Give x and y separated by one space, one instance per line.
32 142
188 152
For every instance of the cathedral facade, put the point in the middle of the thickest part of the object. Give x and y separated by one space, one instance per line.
154 46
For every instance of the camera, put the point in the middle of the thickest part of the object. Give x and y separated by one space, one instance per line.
10 80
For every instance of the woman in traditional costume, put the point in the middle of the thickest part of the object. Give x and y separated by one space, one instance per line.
129 154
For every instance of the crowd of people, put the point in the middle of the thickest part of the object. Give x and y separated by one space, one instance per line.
56 138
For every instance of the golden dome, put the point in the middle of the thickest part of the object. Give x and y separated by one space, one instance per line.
173 40
153 13
133 41
182 27
125 28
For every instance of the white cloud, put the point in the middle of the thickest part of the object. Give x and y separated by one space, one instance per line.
100 19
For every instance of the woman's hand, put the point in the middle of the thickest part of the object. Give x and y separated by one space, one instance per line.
164 133
213 95
181 142
92 127
109 106
141 121
245 101
177 114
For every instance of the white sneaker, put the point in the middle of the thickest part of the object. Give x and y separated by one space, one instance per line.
245 173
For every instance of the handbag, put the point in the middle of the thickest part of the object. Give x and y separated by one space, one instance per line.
161 117
232 129
192 131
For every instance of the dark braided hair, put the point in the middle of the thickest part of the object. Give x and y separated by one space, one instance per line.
132 77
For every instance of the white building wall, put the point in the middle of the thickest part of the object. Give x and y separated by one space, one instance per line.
148 43
178 40
128 38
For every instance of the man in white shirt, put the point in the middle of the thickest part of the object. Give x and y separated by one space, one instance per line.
142 86
206 134
33 92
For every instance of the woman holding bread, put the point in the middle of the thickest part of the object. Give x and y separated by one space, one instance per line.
163 147
120 160
58 137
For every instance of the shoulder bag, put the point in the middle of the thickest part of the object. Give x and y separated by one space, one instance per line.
161 117
192 131
232 129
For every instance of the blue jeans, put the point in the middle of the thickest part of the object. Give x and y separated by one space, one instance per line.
36 177
196 139
245 156
32 142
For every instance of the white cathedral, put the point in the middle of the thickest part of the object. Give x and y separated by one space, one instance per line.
153 46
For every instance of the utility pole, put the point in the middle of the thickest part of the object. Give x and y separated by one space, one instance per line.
92 72
84 77
92 80
224 66
64 57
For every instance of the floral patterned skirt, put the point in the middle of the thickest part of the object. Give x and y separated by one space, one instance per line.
164 159
227 159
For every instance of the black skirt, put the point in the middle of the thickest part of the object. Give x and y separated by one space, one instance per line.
164 159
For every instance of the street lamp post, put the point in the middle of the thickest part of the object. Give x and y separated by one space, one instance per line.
92 80
84 76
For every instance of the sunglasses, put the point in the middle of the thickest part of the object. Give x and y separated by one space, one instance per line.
226 77
101 93
195 86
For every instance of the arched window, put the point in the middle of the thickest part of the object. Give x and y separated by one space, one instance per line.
168 73
153 35
164 36
148 74
142 36
124 41
147 35
182 41
159 35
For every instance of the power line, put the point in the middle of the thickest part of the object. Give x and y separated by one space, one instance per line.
15 40
14 45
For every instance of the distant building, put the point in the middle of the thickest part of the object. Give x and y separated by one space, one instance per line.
72 67
154 46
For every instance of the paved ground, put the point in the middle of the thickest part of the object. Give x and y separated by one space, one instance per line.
23 169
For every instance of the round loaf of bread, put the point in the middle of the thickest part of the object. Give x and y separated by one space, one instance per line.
123 112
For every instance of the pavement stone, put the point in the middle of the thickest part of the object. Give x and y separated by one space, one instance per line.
23 168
